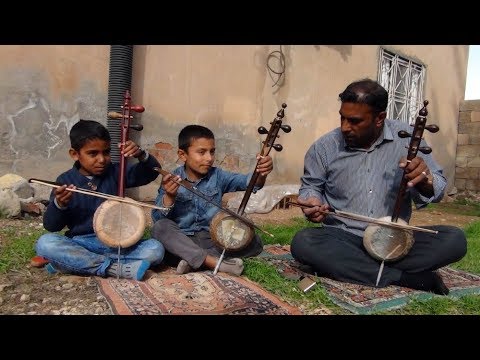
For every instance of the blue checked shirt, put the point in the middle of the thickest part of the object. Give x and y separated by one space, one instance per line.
191 212
364 181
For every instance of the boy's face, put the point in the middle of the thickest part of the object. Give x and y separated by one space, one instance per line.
198 158
93 157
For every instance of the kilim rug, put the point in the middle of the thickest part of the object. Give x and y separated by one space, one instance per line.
364 299
195 293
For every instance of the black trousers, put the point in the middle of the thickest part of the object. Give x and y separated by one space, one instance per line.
195 248
340 255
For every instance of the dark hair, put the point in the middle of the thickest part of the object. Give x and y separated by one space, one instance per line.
192 132
85 130
366 91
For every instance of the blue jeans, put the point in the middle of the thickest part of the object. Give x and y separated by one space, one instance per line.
87 255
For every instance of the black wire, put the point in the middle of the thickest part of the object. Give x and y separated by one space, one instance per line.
281 59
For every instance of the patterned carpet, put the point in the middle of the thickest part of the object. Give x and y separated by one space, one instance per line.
364 299
196 293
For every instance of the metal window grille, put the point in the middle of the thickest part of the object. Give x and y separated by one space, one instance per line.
404 81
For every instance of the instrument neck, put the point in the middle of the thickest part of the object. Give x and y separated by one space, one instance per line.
413 148
121 181
268 144
399 201
125 126
248 193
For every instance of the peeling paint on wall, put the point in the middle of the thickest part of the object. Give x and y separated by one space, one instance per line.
35 133
224 87
29 135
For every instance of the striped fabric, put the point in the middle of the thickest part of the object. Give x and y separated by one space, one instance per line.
364 182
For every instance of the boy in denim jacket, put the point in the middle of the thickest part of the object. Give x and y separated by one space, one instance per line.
183 228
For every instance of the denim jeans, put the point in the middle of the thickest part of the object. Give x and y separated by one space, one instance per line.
87 255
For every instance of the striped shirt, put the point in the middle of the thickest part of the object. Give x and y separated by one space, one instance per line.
364 181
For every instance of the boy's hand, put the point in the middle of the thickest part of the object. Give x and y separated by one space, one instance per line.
131 149
170 185
63 196
265 165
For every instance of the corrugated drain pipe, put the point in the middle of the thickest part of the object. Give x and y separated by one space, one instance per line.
119 80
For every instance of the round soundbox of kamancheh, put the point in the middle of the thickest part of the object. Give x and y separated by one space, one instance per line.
119 224
229 232
386 243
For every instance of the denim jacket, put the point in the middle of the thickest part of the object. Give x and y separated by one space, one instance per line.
191 212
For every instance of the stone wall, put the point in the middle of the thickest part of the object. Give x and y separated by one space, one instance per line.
467 166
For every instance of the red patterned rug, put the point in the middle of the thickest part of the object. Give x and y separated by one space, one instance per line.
195 293
365 299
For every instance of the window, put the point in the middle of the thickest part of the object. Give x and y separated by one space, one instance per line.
404 81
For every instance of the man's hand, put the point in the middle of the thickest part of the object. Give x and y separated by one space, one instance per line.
315 210
418 175
416 171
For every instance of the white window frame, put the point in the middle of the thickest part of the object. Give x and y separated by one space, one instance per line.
404 80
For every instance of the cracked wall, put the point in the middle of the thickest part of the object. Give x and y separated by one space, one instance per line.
44 90
232 89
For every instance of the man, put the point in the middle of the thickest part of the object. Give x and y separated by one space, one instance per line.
358 168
